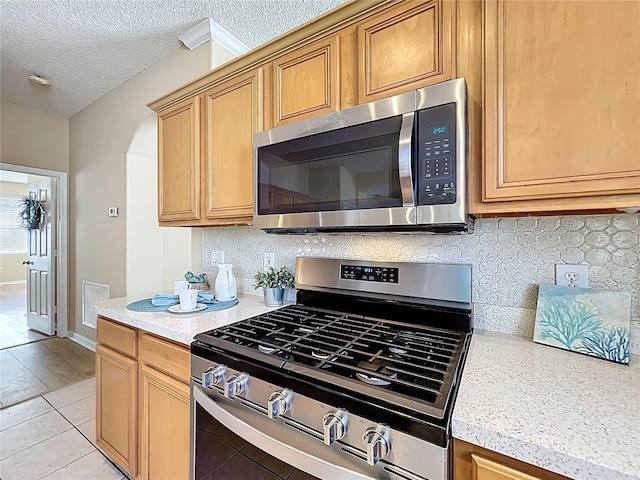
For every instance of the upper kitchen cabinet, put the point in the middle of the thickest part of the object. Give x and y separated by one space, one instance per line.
356 53
306 82
561 106
232 114
179 161
403 48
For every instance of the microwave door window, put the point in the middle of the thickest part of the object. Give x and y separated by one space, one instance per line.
347 169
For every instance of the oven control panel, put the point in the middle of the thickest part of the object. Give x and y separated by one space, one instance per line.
336 437
369 274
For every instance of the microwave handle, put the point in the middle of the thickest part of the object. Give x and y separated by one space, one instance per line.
404 160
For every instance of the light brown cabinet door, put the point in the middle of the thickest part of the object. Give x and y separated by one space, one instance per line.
306 82
116 407
179 161
164 426
562 100
471 462
233 113
485 469
404 48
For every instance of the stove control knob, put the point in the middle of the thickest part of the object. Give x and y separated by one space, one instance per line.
279 403
335 426
213 376
235 384
377 442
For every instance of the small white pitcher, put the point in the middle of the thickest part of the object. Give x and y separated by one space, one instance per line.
225 289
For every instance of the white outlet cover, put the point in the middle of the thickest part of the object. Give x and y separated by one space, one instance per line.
269 261
217 257
572 275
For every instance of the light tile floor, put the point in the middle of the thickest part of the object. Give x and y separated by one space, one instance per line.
52 437
13 319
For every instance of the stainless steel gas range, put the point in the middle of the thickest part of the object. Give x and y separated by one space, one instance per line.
357 380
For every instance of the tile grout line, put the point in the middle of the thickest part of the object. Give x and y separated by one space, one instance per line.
95 447
27 368
39 415
18 402
26 343
44 440
67 404
71 427
79 458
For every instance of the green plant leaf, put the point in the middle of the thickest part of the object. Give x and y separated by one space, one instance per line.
273 278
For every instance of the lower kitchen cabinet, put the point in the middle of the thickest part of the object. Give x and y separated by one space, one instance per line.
164 426
142 402
476 463
116 407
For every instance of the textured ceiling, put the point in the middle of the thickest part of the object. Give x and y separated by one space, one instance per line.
88 47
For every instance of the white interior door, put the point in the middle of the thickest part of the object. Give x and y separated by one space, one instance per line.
41 264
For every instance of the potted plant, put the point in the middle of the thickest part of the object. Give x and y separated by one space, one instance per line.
274 282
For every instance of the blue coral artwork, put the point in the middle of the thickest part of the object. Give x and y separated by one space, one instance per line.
584 320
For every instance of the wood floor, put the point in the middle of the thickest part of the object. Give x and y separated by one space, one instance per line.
13 320
38 367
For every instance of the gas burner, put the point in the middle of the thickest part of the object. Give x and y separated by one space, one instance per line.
320 355
269 345
376 366
267 350
397 350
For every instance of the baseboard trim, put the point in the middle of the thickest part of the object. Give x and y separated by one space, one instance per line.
13 282
82 340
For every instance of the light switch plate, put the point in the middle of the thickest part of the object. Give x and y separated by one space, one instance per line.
217 257
269 261
572 275
113 211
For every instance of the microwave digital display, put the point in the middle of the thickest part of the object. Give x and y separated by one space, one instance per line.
437 129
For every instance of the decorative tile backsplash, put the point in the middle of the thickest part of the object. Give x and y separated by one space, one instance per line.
510 257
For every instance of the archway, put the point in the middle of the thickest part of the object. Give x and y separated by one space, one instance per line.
156 256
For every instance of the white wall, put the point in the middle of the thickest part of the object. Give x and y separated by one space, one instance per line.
100 138
169 247
29 138
510 258
33 139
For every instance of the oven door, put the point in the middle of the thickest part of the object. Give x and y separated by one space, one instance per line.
231 441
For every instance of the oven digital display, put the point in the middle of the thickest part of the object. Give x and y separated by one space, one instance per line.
369 274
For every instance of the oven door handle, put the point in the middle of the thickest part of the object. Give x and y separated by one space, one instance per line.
296 457
405 169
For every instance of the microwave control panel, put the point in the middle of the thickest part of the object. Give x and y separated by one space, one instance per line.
436 155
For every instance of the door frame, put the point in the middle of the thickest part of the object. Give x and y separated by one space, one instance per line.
62 264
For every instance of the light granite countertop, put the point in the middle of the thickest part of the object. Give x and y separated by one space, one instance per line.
572 414
183 327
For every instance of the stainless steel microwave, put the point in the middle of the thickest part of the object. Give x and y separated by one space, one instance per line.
397 164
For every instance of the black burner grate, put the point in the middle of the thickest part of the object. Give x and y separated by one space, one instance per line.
382 358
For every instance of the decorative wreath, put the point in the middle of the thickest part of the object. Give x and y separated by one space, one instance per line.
31 213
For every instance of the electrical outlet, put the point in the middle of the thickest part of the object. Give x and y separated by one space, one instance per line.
269 261
217 257
572 275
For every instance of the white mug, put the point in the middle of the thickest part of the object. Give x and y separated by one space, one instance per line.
188 299
180 285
